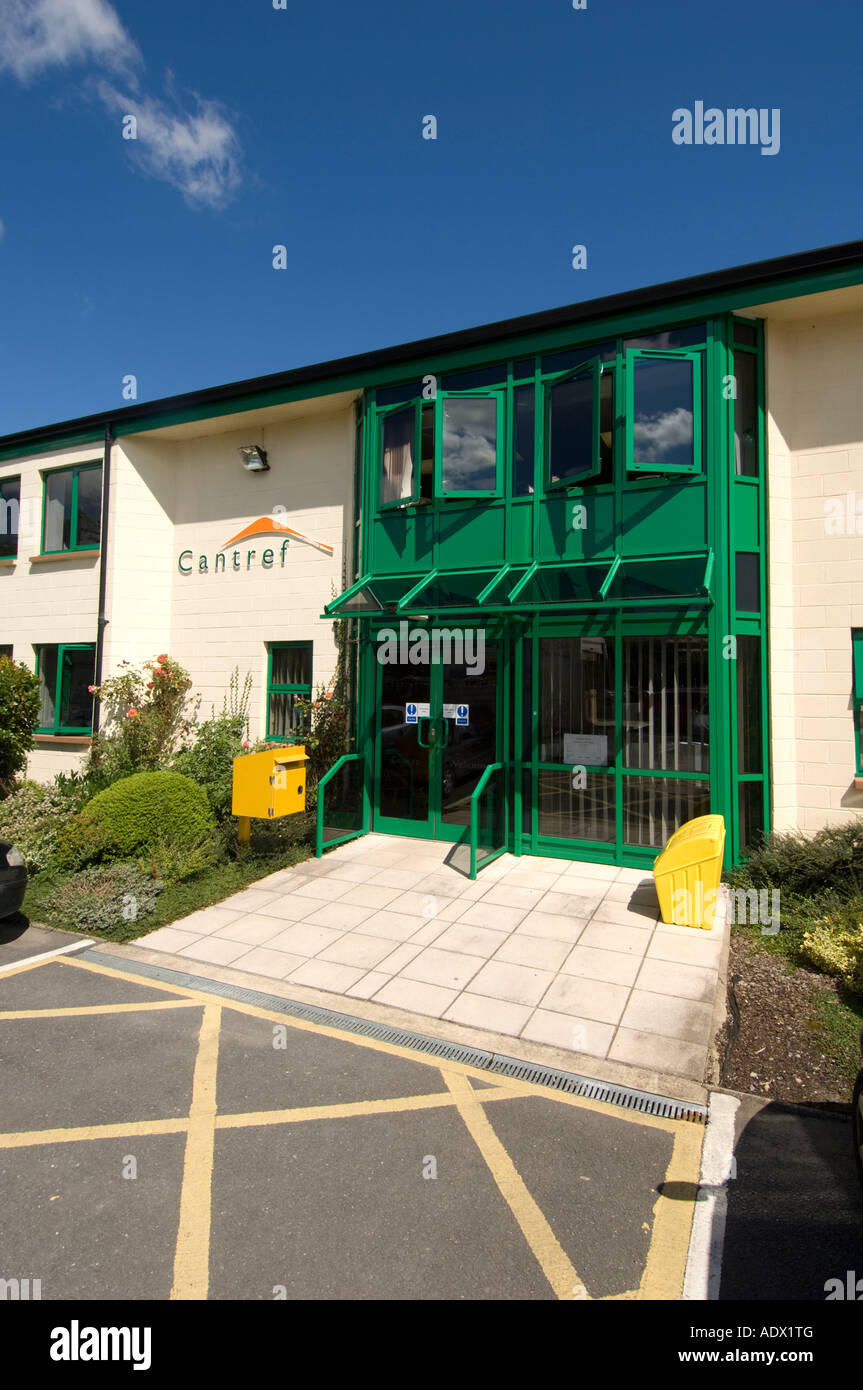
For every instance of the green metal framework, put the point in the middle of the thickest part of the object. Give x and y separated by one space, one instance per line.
565 559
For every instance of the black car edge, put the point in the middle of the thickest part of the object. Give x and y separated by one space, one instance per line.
13 879
857 1117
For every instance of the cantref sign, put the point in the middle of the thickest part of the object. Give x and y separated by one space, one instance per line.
265 527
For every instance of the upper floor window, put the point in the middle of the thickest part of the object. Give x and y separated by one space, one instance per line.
469 438
10 506
72 517
663 411
579 425
745 403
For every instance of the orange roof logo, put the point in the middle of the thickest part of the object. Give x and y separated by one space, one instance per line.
271 526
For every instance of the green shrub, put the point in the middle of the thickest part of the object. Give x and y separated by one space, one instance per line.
82 840
139 810
834 944
108 760
33 818
210 762
831 860
19 719
174 861
103 898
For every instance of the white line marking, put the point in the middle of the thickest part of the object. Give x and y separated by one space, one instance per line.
704 1264
46 955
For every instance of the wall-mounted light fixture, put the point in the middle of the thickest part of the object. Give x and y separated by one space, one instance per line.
254 458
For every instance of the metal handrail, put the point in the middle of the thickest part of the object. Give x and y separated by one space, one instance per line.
319 836
474 817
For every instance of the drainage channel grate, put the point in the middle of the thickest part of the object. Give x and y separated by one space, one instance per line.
645 1102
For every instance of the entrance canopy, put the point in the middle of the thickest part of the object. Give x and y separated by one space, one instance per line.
663 581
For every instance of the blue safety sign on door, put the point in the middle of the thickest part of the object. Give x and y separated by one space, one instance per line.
410 714
462 714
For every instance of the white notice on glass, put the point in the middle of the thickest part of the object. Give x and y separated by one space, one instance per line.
585 750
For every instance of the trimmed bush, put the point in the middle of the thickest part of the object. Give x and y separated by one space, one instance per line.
103 898
81 841
33 818
139 811
831 860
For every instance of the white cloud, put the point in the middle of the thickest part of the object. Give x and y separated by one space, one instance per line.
197 152
39 34
656 436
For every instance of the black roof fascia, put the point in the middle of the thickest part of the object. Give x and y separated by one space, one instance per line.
752 276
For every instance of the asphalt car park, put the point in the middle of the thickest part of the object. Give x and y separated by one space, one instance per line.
163 1141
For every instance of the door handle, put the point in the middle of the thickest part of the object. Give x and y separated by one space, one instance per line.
431 732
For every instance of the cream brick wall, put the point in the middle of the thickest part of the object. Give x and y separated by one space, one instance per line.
171 495
225 619
815 452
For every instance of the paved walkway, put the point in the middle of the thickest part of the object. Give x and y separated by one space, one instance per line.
545 950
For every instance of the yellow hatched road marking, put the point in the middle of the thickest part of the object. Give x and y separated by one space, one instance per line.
436 1100
123 1129
192 1255
82 1010
665 1266
666 1260
546 1248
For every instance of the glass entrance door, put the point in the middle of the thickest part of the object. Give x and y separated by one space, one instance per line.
437 731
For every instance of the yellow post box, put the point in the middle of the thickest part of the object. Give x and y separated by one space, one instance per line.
688 872
268 785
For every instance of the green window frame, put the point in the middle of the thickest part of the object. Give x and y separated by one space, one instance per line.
75 473
857 653
10 522
634 464
498 395
294 689
592 370
63 693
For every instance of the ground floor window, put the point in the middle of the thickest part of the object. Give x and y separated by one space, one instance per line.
658 724
857 650
66 673
289 685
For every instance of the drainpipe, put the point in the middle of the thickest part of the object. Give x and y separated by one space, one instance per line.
103 569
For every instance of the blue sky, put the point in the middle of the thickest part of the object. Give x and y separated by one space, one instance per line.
302 126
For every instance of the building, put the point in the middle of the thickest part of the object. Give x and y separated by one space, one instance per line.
602 564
